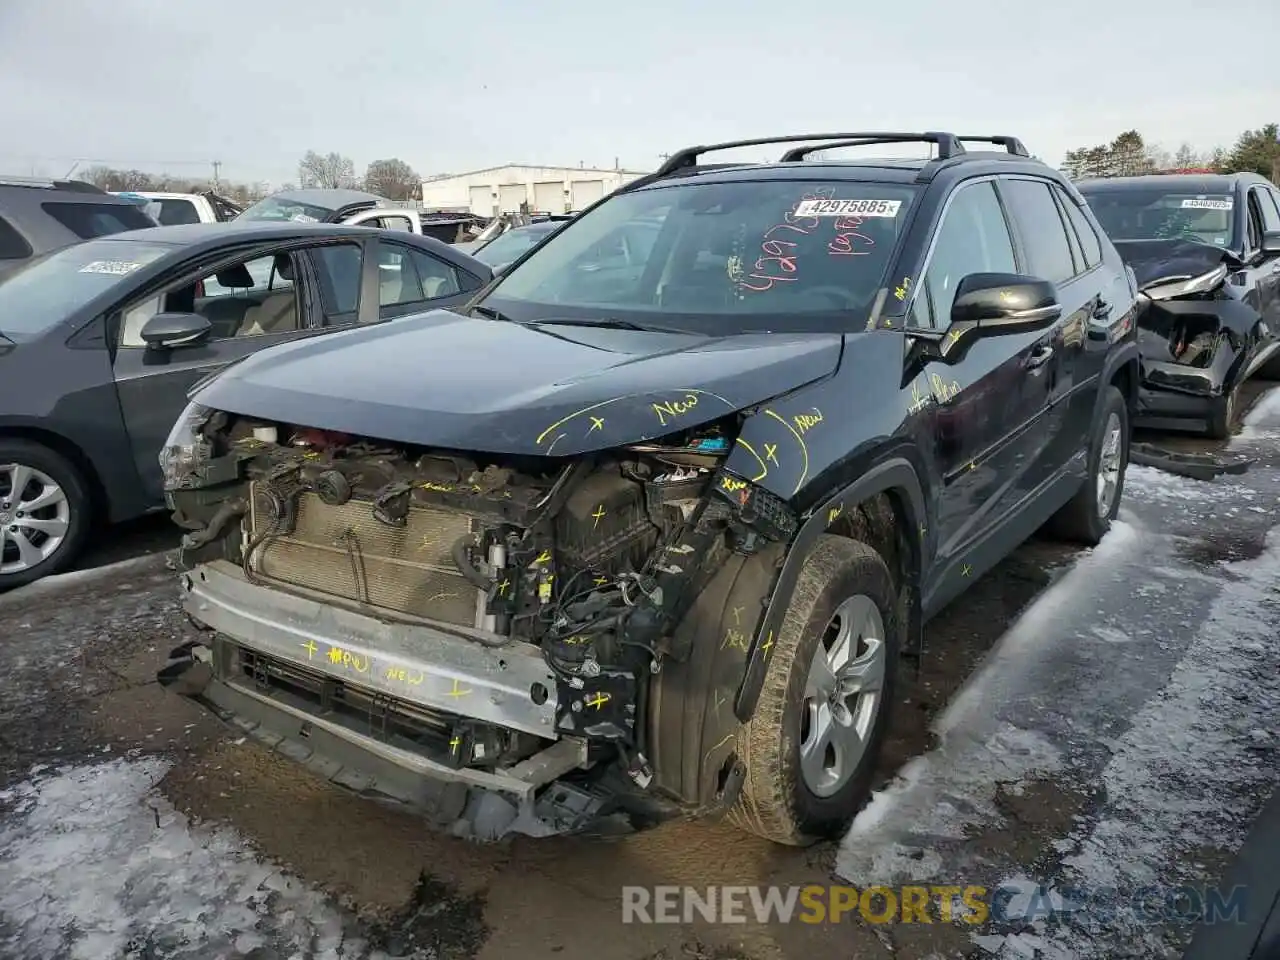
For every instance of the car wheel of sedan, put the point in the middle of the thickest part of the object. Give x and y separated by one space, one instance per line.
811 746
1087 517
44 512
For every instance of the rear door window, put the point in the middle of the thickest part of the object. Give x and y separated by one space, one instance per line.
339 267
90 220
1089 242
13 246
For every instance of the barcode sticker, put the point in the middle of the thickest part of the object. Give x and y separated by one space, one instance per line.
1205 203
115 268
848 208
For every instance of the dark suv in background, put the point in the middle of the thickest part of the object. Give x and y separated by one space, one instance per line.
643 536
37 216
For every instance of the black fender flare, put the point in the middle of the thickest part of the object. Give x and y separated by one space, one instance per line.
894 474
1125 354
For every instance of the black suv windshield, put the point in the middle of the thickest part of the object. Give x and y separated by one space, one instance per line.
1158 213
719 258
281 208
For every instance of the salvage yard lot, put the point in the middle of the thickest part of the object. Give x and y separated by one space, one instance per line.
133 825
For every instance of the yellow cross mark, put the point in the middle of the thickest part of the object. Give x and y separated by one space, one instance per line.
454 744
597 515
503 587
768 644
771 453
966 570
600 581
310 647
543 557
597 700
458 690
597 423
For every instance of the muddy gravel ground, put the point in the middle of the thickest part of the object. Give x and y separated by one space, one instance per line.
134 825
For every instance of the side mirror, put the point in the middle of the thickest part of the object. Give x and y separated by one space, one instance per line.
500 268
169 330
992 304
1271 243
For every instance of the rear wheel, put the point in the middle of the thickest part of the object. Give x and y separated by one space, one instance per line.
44 512
1087 517
1223 418
811 746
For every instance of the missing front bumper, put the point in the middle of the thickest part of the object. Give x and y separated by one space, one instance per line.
403 671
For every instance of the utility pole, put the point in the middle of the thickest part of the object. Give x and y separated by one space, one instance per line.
216 165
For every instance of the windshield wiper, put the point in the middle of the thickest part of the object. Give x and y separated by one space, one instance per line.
611 323
492 314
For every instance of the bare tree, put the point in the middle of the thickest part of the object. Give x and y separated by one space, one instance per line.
331 170
393 179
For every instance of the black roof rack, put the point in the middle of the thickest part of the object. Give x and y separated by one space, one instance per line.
76 186
1011 144
947 143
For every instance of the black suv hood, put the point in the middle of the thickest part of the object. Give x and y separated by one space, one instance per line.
447 381
1156 259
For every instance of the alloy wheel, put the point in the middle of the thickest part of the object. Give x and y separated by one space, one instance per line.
35 517
842 696
1109 465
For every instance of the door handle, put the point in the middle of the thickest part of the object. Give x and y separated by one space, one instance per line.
1039 357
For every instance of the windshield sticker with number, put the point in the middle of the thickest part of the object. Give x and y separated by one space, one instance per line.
302 218
115 268
1207 203
848 208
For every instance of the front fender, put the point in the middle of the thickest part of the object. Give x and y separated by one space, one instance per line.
895 475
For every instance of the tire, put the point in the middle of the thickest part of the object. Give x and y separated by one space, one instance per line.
44 473
1223 417
1086 518
779 801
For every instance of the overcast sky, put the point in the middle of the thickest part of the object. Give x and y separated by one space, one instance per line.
172 84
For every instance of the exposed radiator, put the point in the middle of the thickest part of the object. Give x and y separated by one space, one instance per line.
345 553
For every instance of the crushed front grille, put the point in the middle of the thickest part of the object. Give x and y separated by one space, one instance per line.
344 552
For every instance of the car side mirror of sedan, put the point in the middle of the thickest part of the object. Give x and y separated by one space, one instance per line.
1271 243
166 331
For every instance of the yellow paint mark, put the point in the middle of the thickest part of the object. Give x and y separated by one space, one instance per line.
671 409
576 640
734 640
310 647
597 700
403 675
966 570
972 465
923 531
706 758
953 336
685 391
600 581
768 643
543 557
804 450
597 515
345 658
888 323
807 421
720 701
732 484
503 587
944 391
771 453
455 743
1007 296
597 423
436 487
834 513
577 413
902 289
458 690
737 616
764 468
919 399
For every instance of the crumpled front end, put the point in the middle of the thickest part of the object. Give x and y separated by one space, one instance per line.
471 636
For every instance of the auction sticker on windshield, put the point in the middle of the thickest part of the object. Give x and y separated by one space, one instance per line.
114 268
1207 203
848 208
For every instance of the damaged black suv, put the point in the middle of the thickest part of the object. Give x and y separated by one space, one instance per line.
647 531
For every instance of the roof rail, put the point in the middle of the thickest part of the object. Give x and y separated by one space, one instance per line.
1011 144
76 186
948 146
946 149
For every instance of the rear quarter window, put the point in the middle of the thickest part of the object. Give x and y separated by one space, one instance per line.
170 212
89 220
13 246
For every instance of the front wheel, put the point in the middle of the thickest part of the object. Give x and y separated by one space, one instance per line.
44 512
1087 517
811 746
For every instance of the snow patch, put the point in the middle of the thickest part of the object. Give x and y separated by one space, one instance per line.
63 581
98 864
1262 422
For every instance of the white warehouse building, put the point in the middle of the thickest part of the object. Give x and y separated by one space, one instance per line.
505 189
